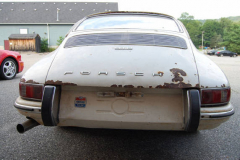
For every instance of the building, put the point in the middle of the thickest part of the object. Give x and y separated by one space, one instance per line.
49 20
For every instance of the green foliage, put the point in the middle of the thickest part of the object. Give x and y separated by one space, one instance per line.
231 19
185 18
232 38
193 27
211 28
216 41
234 19
217 33
51 49
59 41
44 44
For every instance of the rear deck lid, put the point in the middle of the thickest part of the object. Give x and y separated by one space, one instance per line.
130 66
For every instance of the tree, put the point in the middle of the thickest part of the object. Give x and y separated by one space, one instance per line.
211 28
193 27
216 41
232 38
185 18
225 24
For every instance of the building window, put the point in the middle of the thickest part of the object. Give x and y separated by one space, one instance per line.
23 31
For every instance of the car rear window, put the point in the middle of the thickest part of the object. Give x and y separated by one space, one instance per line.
129 22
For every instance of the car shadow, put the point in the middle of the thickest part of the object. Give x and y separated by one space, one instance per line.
128 144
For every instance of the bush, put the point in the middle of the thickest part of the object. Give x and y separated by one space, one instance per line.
44 44
51 49
59 41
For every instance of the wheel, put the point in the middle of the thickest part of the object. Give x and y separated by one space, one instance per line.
8 69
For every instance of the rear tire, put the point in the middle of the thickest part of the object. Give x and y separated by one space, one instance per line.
8 69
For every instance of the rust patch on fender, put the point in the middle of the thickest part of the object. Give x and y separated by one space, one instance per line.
173 85
60 83
177 74
150 87
114 85
128 86
140 87
120 86
223 85
23 80
31 81
197 86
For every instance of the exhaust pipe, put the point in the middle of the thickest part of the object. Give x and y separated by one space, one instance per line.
29 124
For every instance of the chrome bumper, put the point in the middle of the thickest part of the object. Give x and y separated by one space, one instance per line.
27 108
217 112
206 113
218 115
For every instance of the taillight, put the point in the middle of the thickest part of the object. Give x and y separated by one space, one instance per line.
218 52
32 91
215 96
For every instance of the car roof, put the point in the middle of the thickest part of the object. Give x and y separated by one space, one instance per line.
129 12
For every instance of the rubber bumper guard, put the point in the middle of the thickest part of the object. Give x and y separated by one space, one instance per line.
194 109
50 105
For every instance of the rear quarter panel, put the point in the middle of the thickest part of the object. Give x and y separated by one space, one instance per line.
210 75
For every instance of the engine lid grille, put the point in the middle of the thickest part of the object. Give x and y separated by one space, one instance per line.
126 39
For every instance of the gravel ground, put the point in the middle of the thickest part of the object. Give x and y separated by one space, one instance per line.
80 143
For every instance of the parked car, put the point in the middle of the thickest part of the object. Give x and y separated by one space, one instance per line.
226 53
10 64
125 70
211 52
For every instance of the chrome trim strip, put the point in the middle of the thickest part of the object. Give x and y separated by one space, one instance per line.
120 73
217 115
85 73
106 73
68 72
27 108
138 74
156 74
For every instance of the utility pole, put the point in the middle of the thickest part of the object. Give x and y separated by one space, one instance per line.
202 41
